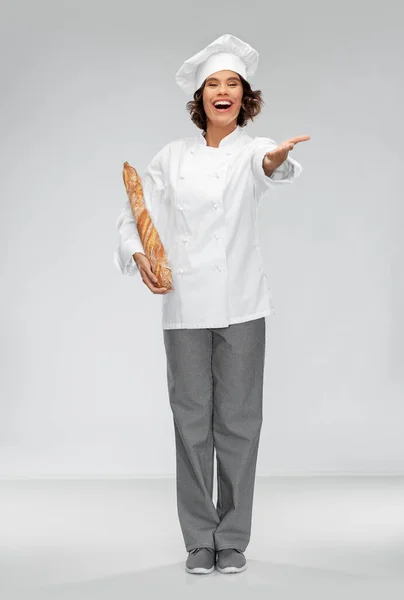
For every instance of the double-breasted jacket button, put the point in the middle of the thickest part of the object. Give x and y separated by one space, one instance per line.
182 176
215 205
228 153
217 175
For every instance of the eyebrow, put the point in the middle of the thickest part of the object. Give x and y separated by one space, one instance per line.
216 79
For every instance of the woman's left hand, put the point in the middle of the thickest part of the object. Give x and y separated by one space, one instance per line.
274 158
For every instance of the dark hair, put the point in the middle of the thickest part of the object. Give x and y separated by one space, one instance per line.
251 106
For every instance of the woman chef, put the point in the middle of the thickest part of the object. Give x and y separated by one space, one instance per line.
209 188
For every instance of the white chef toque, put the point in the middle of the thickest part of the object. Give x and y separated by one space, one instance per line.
227 53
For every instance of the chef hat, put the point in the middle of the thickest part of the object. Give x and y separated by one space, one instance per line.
226 53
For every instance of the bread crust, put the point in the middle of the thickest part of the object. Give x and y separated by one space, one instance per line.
152 244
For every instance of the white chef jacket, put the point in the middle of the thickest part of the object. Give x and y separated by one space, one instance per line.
203 202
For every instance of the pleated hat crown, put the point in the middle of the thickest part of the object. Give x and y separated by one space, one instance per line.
227 52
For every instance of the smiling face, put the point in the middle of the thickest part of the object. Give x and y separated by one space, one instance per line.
225 86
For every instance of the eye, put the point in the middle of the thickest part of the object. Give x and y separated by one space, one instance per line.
230 84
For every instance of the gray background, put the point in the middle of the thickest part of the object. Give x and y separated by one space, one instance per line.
86 86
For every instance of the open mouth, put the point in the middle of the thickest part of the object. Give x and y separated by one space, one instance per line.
222 106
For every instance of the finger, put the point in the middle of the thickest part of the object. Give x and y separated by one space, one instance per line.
299 138
153 279
168 290
286 145
150 285
276 151
151 275
145 269
157 290
284 148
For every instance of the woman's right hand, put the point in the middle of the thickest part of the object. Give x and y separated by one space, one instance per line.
147 275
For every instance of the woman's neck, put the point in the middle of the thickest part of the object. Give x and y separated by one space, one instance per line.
215 133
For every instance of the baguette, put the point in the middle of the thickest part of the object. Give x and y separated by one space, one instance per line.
152 244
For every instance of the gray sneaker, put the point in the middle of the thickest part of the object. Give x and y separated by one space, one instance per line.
201 561
231 560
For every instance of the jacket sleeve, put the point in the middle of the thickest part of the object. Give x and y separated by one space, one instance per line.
129 239
287 172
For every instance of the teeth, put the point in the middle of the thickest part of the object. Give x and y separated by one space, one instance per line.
224 102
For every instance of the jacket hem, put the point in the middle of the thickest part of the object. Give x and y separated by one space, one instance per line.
266 313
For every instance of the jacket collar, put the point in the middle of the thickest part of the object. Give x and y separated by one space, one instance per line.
226 141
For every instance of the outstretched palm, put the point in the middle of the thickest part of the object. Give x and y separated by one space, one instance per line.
274 158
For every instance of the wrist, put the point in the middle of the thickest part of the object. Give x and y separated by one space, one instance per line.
134 255
268 168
